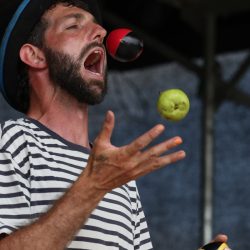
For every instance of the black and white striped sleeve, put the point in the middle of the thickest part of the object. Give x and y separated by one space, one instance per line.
142 240
14 195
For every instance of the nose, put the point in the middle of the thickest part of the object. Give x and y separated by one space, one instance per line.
99 33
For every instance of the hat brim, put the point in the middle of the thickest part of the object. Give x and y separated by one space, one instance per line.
23 21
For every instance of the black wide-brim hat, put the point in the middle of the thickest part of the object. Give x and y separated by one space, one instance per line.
17 19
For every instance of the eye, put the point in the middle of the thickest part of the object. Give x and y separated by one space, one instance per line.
74 26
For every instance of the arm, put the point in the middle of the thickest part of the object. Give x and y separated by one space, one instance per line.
108 167
57 227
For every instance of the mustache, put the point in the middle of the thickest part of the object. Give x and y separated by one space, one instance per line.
88 47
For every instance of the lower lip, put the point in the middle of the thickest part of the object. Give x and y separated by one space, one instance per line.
93 74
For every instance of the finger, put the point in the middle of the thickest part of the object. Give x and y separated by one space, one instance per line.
160 148
157 163
220 238
107 127
142 141
167 159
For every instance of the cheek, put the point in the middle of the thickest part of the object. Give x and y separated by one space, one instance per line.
66 44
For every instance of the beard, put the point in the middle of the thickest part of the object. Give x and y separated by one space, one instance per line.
65 71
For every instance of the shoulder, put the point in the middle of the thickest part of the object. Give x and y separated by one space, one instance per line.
12 125
13 131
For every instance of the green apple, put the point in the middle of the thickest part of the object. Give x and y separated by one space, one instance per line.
173 104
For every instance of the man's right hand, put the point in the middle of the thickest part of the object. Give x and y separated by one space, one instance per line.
110 167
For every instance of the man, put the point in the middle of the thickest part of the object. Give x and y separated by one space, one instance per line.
57 189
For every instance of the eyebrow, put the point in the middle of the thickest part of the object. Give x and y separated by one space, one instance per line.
77 16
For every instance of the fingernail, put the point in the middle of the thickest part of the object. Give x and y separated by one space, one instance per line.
177 141
160 127
182 154
107 116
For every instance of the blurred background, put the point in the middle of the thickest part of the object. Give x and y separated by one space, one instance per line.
201 47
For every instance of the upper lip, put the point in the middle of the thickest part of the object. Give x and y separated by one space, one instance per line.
94 60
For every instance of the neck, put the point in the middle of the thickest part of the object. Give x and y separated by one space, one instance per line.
69 119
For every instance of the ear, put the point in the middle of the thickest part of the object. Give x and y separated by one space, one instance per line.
32 56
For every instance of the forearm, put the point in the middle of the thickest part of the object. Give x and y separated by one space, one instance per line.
57 227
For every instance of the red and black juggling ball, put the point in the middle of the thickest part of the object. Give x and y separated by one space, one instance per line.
124 45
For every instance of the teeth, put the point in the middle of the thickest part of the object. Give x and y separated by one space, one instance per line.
96 57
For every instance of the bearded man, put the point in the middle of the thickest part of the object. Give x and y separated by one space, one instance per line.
58 190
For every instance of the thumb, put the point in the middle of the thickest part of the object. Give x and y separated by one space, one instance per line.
107 127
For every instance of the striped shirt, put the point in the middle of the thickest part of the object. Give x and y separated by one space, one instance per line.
37 166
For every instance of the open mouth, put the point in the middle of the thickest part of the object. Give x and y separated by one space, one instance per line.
95 62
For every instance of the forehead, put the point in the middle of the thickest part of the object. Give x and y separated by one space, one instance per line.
61 11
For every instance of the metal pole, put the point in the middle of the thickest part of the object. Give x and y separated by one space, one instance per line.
208 133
